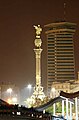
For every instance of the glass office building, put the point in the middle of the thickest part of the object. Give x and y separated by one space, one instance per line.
60 52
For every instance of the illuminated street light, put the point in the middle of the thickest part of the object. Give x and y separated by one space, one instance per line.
29 86
53 90
12 97
14 100
9 101
9 90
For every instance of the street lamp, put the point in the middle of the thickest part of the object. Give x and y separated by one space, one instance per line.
14 100
29 86
9 91
53 90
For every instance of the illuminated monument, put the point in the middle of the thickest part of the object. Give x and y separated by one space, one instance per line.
38 89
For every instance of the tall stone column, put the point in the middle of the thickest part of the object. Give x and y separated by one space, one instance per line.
38 66
38 89
38 93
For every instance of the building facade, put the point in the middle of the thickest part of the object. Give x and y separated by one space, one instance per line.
57 87
71 86
60 52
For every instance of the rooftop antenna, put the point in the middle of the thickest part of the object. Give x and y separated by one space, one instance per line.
64 11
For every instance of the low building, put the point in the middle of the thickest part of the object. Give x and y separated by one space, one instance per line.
16 112
68 87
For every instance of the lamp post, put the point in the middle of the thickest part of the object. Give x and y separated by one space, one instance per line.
14 100
9 91
29 88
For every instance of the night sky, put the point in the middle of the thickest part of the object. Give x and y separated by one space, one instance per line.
17 35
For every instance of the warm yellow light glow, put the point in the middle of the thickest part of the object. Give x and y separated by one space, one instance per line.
9 90
14 100
29 86
53 89
29 102
9 101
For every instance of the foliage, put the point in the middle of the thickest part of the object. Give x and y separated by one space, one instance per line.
59 107
50 110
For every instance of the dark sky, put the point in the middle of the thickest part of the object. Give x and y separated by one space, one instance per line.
17 17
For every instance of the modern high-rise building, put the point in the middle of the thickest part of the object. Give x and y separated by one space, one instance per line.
60 52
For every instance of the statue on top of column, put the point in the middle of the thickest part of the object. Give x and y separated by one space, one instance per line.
38 30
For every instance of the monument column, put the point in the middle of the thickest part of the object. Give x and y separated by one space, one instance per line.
38 93
38 66
38 89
